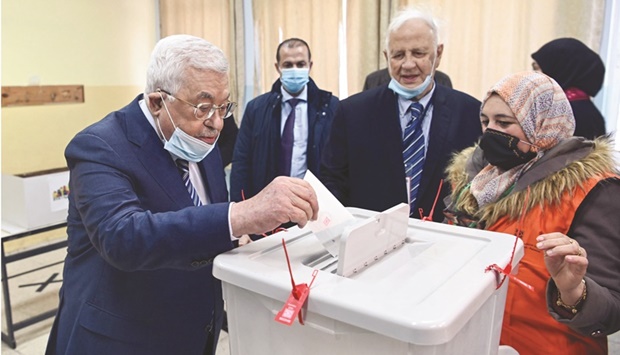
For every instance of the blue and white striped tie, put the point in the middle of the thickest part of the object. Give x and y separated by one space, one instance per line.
183 166
413 152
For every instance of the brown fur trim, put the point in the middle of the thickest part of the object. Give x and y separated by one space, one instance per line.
547 192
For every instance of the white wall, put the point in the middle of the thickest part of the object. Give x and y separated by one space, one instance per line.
608 100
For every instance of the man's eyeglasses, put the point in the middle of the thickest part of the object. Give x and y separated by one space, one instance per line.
205 110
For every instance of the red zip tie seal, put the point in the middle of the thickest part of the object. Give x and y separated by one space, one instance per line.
430 216
507 271
297 299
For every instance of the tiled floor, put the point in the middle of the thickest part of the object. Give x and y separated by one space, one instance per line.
28 299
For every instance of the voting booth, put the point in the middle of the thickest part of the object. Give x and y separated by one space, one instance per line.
396 286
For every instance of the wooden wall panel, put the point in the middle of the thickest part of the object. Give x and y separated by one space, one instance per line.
42 95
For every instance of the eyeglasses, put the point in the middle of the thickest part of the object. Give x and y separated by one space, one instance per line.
205 110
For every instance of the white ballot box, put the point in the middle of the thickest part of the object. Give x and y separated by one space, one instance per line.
35 199
424 291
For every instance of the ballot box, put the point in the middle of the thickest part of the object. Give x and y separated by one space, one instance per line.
36 199
396 286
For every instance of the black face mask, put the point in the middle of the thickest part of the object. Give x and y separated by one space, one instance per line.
500 149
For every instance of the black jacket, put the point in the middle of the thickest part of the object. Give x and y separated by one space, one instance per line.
255 158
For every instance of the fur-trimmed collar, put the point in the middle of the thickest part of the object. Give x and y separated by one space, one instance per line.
563 168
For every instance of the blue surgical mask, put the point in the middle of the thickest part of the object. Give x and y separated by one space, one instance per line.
407 93
294 79
183 145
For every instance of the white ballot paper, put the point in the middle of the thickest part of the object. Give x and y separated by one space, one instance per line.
332 219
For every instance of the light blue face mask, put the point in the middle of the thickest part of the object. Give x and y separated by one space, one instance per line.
407 93
183 145
294 79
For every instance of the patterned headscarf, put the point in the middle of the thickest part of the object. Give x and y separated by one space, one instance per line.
546 117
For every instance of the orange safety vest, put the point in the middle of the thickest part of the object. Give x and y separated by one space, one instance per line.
528 327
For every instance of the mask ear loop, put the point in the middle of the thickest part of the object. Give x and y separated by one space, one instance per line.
433 69
536 148
163 102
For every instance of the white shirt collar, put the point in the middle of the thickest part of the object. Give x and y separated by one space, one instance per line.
302 96
404 104
151 119
148 114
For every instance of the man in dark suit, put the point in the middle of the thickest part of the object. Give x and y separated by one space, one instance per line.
382 77
259 154
364 162
148 212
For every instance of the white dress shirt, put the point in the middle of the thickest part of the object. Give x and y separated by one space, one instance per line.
299 163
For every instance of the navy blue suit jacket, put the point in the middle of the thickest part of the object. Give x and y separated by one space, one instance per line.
363 159
256 158
137 277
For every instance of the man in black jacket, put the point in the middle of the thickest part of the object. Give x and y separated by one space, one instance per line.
270 144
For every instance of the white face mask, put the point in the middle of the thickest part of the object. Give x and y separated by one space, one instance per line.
182 144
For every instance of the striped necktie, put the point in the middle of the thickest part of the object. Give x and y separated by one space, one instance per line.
183 166
413 152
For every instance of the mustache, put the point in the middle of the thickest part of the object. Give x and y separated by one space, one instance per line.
209 132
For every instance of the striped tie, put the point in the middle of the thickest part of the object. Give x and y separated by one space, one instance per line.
183 166
413 152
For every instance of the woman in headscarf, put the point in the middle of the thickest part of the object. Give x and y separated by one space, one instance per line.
580 73
561 195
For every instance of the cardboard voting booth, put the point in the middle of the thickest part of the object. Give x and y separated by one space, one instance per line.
35 199
397 286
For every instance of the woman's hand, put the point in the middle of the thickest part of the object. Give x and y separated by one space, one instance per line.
566 262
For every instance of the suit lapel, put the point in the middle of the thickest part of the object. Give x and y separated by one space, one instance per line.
312 122
390 131
273 141
152 155
438 144
210 168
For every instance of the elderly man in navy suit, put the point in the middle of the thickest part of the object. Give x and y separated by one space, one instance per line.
369 160
148 212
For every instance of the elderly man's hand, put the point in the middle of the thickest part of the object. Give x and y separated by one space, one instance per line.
284 200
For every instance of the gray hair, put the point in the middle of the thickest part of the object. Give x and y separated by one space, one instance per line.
412 14
173 55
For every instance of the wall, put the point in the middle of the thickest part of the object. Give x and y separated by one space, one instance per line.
103 45
608 99
486 40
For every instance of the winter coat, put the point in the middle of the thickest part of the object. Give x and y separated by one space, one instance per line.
575 190
255 158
